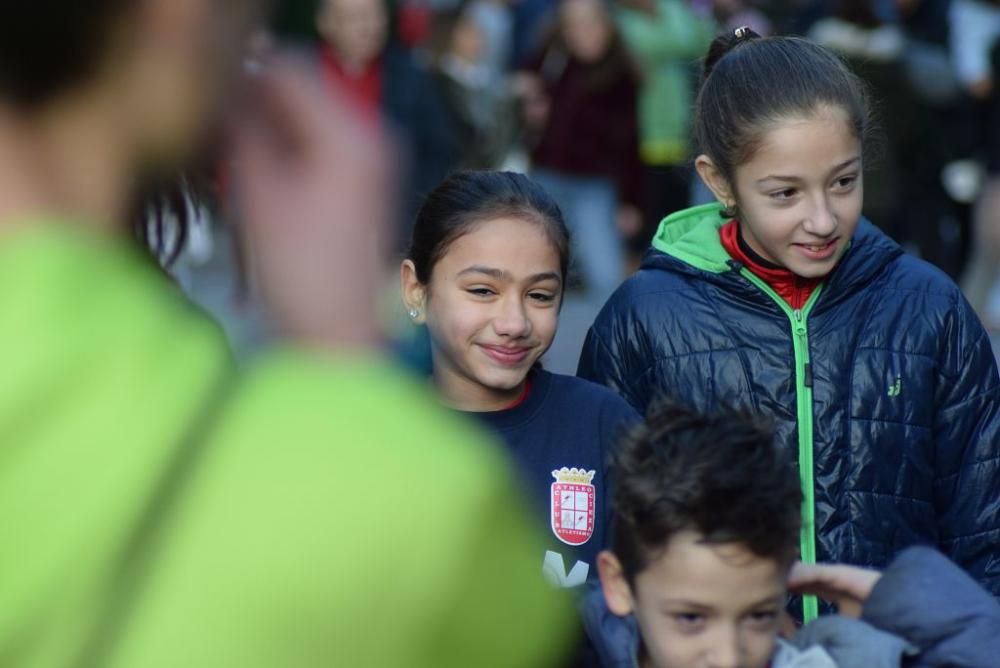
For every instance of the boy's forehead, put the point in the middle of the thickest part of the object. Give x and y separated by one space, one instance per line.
711 575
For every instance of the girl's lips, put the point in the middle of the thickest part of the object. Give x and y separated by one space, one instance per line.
818 251
506 356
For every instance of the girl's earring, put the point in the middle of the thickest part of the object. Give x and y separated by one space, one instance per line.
413 314
728 211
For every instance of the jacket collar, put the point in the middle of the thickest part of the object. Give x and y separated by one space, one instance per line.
687 242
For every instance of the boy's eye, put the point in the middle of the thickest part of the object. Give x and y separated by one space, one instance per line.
764 619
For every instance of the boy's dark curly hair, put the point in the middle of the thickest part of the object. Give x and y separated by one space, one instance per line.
719 475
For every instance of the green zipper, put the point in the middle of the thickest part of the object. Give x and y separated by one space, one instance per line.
804 414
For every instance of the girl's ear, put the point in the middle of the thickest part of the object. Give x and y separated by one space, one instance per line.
414 292
716 182
617 593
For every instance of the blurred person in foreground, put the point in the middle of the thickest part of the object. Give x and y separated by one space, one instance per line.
707 515
156 508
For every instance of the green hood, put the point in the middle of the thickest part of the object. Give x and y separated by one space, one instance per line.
692 236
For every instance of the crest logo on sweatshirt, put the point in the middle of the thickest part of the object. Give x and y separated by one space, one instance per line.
574 499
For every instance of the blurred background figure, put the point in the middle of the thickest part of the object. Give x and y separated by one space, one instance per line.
731 14
666 37
481 109
582 87
362 54
917 190
495 19
975 29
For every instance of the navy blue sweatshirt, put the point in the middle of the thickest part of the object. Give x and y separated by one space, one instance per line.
561 437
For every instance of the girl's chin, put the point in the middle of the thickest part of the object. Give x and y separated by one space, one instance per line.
507 381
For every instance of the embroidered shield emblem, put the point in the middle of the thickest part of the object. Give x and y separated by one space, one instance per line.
573 502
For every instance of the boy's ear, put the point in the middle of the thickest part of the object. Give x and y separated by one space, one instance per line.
617 592
414 292
715 180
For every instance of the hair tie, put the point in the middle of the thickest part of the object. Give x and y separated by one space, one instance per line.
742 32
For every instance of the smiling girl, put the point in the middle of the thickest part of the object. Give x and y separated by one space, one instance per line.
486 274
786 302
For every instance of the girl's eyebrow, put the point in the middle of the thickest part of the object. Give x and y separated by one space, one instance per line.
795 179
545 276
501 275
498 274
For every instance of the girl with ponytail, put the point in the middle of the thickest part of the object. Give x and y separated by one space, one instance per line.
783 300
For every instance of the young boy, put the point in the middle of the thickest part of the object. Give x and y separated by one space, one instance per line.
707 518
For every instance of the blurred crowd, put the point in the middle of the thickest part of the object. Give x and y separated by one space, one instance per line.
594 100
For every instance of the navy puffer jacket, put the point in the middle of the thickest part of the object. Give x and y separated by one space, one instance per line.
884 383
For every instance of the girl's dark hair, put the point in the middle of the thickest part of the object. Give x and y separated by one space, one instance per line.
750 82
467 198
719 475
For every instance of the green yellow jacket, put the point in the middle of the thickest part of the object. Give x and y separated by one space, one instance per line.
667 47
156 509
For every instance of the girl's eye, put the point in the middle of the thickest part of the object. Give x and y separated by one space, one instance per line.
689 622
480 292
787 193
542 297
846 182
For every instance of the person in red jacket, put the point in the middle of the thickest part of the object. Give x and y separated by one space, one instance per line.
362 55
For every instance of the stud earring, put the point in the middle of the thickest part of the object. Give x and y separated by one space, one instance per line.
728 211
413 314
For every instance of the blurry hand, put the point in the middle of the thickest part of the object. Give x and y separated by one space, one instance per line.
312 198
847 587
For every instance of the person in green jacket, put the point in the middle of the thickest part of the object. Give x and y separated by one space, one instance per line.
159 507
666 37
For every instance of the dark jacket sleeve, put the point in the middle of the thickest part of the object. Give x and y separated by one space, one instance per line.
604 361
967 447
929 601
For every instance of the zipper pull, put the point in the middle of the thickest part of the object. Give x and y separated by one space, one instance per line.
800 327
